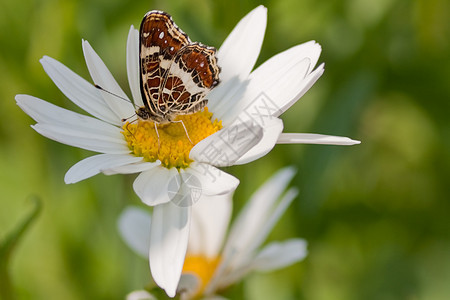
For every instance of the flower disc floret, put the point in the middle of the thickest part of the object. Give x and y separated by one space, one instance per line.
202 267
173 145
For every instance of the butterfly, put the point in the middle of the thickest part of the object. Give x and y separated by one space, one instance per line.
175 73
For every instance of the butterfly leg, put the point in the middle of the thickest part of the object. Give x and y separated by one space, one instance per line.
157 134
185 130
128 124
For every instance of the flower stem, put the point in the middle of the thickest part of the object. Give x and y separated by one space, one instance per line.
7 247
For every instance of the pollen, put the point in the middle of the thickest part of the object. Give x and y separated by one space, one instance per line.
174 143
201 266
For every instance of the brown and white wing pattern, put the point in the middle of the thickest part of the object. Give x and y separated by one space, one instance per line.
160 39
175 73
193 73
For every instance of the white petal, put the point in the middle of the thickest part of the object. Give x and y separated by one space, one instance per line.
248 35
272 131
71 128
245 231
44 112
82 139
152 186
309 50
78 90
226 97
272 219
279 255
257 217
93 165
281 77
212 180
278 83
236 64
310 138
226 146
186 188
272 257
133 65
168 243
134 227
140 295
239 253
118 102
188 286
267 92
210 218
132 168
306 84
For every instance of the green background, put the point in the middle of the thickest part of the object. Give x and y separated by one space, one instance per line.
376 215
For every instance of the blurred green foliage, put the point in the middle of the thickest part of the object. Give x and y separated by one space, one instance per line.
377 215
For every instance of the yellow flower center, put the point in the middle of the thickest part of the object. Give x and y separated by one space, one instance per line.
201 266
173 145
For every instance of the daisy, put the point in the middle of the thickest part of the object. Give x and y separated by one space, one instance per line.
214 262
239 125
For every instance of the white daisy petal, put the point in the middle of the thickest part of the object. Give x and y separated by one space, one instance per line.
268 91
72 128
134 227
229 277
226 97
311 138
279 255
244 233
188 285
272 131
78 90
168 244
309 50
306 84
261 202
213 181
152 186
140 295
284 74
93 165
278 83
252 222
236 64
44 112
239 260
118 102
226 146
131 168
210 218
133 65
248 34
272 219
291 82
82 139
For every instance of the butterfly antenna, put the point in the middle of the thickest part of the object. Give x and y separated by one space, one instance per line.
111 93
126 119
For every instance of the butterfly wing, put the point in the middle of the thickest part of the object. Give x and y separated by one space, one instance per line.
192 74
160 40
175 73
